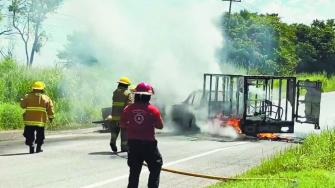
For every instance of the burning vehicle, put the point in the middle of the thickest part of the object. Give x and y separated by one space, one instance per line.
252 105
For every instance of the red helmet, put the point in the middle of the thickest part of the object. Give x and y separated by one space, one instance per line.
144 89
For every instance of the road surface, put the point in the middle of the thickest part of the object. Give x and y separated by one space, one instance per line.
85 160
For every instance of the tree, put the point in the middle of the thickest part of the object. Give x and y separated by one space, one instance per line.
261 44
27 17
316 47
254 42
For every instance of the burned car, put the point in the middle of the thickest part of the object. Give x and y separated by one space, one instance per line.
184 114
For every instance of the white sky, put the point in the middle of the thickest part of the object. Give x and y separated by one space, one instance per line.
291 11
65 20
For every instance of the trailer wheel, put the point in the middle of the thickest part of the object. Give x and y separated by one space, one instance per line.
192 125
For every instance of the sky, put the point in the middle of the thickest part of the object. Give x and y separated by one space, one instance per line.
65 20
291 11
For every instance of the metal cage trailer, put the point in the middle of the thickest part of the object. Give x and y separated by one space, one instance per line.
262 104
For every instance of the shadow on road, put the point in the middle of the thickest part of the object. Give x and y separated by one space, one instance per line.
102 131
13 154
106 153
102 153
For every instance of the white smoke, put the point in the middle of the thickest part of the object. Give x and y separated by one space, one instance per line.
167 43
228 133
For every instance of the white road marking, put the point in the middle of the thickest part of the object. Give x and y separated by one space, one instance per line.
99 184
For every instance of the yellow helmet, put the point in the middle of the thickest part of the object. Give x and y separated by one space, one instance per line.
124 80
38 85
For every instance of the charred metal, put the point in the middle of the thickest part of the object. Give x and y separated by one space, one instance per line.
254 104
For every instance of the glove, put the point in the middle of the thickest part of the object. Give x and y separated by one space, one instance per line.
50 120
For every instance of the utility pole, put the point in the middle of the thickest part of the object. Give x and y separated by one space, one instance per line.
230 4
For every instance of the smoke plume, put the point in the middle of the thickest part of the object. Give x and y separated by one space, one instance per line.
169 44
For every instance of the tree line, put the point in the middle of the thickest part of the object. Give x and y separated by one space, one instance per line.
263 44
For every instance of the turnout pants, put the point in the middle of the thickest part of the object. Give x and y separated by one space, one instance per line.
140 151
115 130
29 134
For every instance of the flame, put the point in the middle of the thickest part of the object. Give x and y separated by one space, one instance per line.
235 123
270 136
228 121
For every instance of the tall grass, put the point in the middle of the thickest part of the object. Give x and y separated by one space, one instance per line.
16 81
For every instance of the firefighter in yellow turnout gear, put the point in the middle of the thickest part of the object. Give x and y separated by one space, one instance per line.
38 109
121 98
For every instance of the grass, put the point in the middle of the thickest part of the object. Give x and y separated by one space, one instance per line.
328 82
311 164
10 116
16 81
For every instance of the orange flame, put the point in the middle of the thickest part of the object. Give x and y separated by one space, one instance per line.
270 136
235 123
228 121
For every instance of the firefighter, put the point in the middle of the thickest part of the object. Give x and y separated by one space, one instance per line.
38 109
121 98
140 120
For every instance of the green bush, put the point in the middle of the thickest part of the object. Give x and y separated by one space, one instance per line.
10 116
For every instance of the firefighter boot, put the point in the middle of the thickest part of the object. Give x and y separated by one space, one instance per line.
124 146
114 148
39 149
31 149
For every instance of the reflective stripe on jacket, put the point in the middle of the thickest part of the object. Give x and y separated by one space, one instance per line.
38 108
121 98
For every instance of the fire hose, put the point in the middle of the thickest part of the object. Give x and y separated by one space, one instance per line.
220 178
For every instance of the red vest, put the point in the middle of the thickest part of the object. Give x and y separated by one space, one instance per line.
140 120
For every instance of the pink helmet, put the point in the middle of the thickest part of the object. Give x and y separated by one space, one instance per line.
144 89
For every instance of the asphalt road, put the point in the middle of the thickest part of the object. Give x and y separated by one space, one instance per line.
83 158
